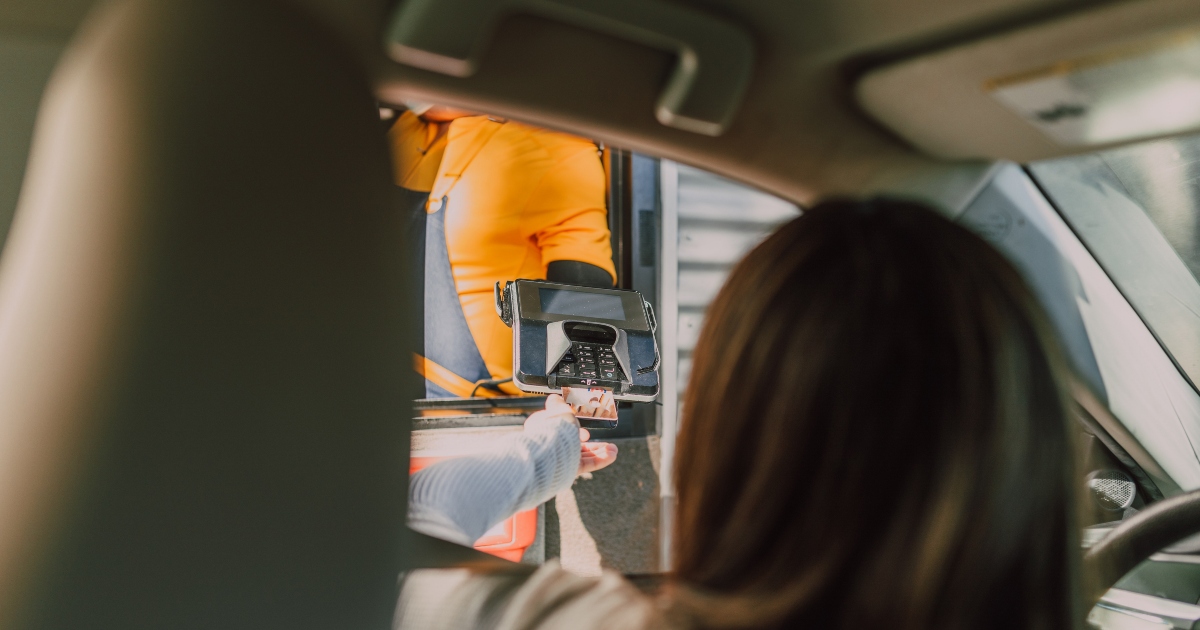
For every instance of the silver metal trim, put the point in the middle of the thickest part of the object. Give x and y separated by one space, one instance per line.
621 349
1106 618
668 334
542 389
1177 558
557 345
1177 614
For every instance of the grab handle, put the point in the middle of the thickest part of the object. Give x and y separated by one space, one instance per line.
714 59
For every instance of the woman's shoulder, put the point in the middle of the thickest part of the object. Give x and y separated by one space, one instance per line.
548 598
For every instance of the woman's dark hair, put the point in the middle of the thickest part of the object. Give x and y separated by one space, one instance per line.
875 436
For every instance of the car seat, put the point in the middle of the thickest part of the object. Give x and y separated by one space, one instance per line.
205 382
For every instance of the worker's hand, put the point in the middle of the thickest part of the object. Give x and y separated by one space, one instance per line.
592 455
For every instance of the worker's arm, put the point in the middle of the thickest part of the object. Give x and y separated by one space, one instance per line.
567 219
576 272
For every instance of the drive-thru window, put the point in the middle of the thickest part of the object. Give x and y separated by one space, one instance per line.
672 235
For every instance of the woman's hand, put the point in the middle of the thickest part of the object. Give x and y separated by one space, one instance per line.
592 455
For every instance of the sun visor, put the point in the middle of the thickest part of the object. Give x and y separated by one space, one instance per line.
1115 74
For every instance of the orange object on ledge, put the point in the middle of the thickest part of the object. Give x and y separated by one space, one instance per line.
508 539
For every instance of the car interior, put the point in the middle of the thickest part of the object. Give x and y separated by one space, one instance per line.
208 403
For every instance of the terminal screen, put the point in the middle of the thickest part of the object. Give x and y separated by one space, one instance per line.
582 304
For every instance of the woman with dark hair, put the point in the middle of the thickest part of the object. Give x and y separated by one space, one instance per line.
876 435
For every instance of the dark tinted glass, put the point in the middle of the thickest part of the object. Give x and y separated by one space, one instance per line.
582 304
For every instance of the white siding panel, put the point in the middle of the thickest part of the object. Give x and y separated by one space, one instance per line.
685 373
698 287
715 244
716 223
709 223
690 322
705 196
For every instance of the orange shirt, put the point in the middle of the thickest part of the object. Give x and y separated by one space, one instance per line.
518 198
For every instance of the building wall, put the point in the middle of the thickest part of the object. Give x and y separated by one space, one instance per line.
708 225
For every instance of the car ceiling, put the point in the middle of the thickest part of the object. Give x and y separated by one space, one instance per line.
798 133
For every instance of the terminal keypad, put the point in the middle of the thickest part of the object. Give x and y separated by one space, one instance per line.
590 361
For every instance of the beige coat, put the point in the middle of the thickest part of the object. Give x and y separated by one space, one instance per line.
548 598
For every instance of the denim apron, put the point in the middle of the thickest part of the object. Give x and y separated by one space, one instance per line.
449 360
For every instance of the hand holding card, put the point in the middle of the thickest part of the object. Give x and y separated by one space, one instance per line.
592 455
591 403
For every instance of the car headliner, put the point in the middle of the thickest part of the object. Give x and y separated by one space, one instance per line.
798 133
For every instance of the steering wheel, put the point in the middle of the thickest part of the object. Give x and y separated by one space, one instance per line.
1136 539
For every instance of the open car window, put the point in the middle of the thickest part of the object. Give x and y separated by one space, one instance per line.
668 231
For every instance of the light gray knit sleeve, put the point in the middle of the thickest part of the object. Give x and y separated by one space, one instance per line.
460 499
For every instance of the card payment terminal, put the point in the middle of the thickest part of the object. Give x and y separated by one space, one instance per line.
574 336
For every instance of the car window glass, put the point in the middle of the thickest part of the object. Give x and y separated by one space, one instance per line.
1135 208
